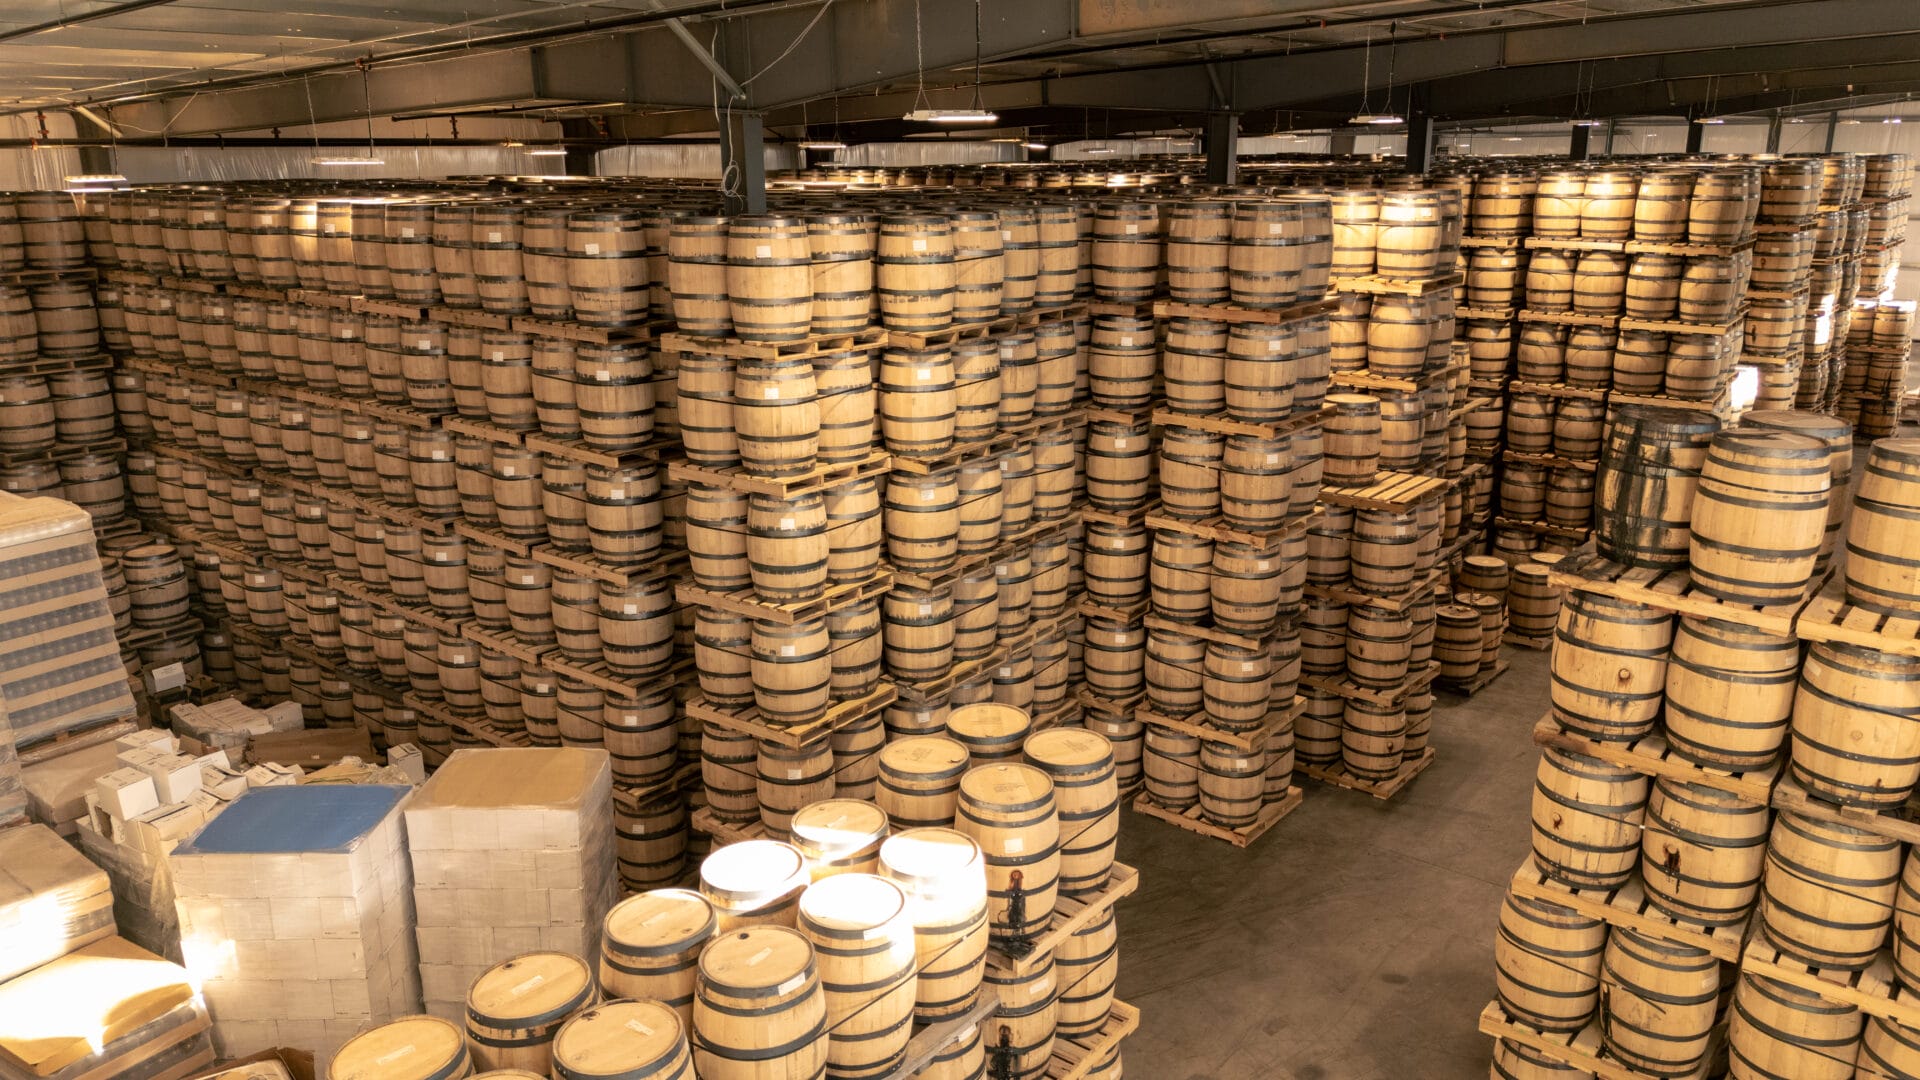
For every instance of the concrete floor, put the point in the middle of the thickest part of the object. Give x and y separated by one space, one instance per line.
1354 941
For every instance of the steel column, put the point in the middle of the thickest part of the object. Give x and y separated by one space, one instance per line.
1696 131
743 164
1223 148
1577 142
1419 142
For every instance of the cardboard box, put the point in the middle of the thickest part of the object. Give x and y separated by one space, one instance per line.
126 792
57 788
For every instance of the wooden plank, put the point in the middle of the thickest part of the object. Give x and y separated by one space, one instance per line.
577 450
1125 519
75 739
820 478
1570 318
1679 326
1831 617
1003 650
1225 425
1075 1059
1132 613
1652 756
480 429
1170 309
1554 243
1671 590
744 602
1376 285
1899 825
1538 644
1387 491
1367 380
837 716
1421 588
909 339
1564 390
1071 914
1337 775
1875 991
1492 314
1217 529
592 334
1549 461
1256 642
1628 906
1345 688
1583 1049
931 1040
662 562
728 832
1491 241
1190 819
1649 247
1200 729
1576 536
631 796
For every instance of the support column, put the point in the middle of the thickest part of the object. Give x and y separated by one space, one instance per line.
579 159
1339 143
94 160
1419 142
743 164
1223 148
1577 142
1695 132
1833 122
1773 134
1608 145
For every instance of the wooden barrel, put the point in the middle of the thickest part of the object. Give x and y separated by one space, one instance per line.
1236 683
1609 666
1649 469
1882 569
1086 968
1057 236
759 1005
1357 226
1023 1030
1385 551
1379 646
1271 251
861 929
943 872
1008 809
791 777
920 631
1122 361
1533 602
922 517
697 274
1020 242
846 400
1371 738
915 272
1855 736
989 731
1607 211
769 278
410 1048
1777 1029
157 584
1828 893
1256 489
776 413
1126 250
1232 783
1189 464
1660 206
792 670
1352 455
1198 234
1502 204
1730 693
1409 235
624 514
1702 853
920 781
1086 792
1019 378
1518 1061
1652 286
1550 280
840 836
1661 1000
516 1007
1547 963
1759 516
1640 362
607 274
67 322
753 883
1400 331
1586 819
1179 575
918 401
613 394
976 369
1599 283
841 251
623 1040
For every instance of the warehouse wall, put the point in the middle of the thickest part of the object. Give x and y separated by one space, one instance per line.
925 152
695 161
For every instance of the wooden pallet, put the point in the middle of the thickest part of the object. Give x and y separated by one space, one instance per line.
66 742
599 674
929 1041
1337 775
57 365
1127 519
1526 641
838 715
1003 324
1628 906
1190 819
1492 314
578 450
1831 617
1875 991
1583 1049
506 642
1716 403
1541 528
1216 528
1421 588
1388 491
1140 309
1200 729
481 429
1345 688
1132 613
1569 318
1173 309
1558 390
1115 415
1554 243
664 561
1652 247
728 832
1367 380
1472 404
1902 824
494 538
1256 642
1375 285
999 442
865 339
1491 241
632 796
966 564
745 602
1479 682
1548 461
1652 756
1259 429
1670 589
588 333
1075 1059
820 478
1071 914
1677 326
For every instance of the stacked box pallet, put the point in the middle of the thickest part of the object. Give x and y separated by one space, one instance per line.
109 1008
62 676
512 852
1698 804
52 900
296 914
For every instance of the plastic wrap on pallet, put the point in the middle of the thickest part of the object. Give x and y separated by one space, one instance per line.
60 667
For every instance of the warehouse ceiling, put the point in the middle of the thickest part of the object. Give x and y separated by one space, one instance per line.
636 69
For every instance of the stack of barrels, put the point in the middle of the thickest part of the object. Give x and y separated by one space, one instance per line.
1879 340
1491 600
1858 233
1738 698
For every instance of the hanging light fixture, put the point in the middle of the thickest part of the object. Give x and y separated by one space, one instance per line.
1366 115
338 160
923 110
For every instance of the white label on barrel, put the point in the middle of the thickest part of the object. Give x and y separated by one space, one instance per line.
617 493
1131 229
542 688
593 249
1273 229
493 237
425 344
770 392
924 374
926 609
406 232
786 523
1273 459
631 609
759 956
919 245
763 251
1126 341
635 1025
1003 569
1014 844
528 985
326 230
394 1055
603 375
786 650
1119 444
928 494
